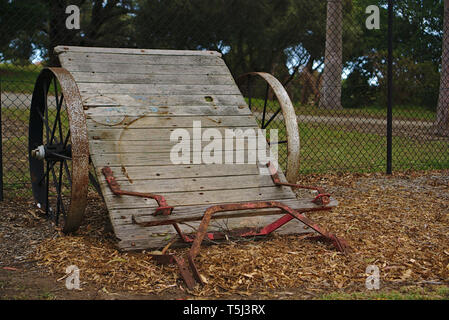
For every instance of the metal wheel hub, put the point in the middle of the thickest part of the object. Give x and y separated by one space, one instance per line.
52 152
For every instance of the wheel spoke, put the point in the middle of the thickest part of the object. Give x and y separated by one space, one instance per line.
56 90
47 127
58 201
46 172
58 109
280 142
46 111
265 106
60 189
67 171
57 185
249 91
61 136
272 118
58 116
60 155
60 186
66 139
47 175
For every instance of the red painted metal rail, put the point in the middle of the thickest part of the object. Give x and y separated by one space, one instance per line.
189 272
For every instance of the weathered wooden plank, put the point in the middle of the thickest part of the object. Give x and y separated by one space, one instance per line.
83 57
180 171
120 85
148 68
123 217
193 184
201 198
249 156
160 103
121 122
136 134
194 79
159 89
149 146
60 49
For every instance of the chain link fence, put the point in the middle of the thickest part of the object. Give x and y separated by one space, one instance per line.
331 56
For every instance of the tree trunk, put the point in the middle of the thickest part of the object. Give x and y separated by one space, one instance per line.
333 58
442 117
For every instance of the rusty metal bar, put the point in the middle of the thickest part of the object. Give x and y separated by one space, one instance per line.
163 209
245 232
339 244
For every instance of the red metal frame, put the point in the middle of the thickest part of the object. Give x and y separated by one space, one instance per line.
163 209
192 275
340 244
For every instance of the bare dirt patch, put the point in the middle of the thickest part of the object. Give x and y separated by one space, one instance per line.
398 223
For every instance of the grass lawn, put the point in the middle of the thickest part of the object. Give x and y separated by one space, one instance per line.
19 79
324 148
404 293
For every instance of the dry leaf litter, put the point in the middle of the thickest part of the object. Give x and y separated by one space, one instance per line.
398 223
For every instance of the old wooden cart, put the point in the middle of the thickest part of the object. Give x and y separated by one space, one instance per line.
114 110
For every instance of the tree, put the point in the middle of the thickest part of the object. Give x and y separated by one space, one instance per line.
253 35
442 117
102 24
38 26
333 57
21 23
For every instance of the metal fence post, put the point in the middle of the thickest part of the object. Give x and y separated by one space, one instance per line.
1 149
390 89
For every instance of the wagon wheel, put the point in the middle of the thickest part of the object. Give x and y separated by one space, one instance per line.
271 106
58 149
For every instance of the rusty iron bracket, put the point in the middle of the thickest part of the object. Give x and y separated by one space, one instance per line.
322 198
340 244
163 209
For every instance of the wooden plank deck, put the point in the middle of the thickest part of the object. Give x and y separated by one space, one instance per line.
134 99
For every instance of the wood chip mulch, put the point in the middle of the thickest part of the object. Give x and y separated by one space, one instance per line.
399 223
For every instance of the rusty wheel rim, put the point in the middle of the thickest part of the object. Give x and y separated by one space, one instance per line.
281 117
58 149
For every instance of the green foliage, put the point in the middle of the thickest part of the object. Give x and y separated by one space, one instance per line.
356 91
18 40
279 37
416 82
417 36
